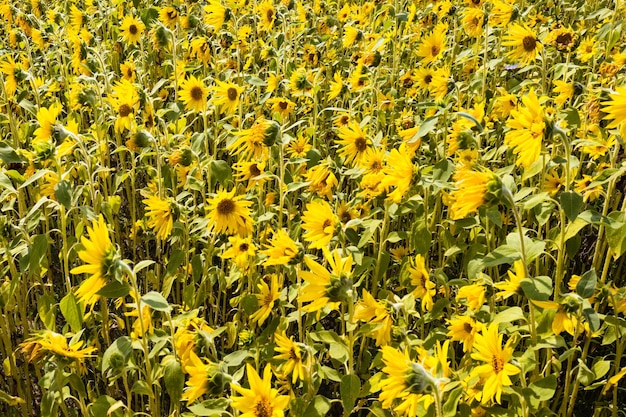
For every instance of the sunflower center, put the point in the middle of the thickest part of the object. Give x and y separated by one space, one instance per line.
124 110
293 354
327 223
360 144
467 327
269 15
428 79
268 299
244 247
529 43
232 93
133 29
171 14
564 38
345 217
497 363
225 207
196 93
263 408
434 50
283 105
254 170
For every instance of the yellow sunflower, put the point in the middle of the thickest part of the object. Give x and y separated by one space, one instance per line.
280 250
495 373
527 129
230 214
319 222
132 29
194 94
268 15
160 216
525 43
433 45
100 258
242 250
353 142
226 96
266 299
260 400
323 287
294 360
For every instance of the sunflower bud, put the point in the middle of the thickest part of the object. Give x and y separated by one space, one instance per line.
418 380
272 133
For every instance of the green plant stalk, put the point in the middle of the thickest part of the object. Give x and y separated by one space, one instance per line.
583 358
568 372
381 249
58 373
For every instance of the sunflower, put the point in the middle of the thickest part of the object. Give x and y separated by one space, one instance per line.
168 16
230 214
473 20
250 143
241 250
125 99
294 360
527 129
260 400
160 216
56 344
587 49
565 92
433 45
398 172
406 383
215 14
249 171
322 180
194 94
473 296
47 118
132 29
336 87
320 223
280 250
100 257
266 299
463 329
128 71
512 286
268 15
500 14
471 191
420 279
201 49
14 72
203 378
495 373
281 105
375 312
353 142
566 314
616 108
226 96
553 182
323 287
525 43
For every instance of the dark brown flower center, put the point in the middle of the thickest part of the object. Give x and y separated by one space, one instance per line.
467 327
564 38
254 170
434 50
529 43
293 354
428 79
196 93
346 217
232 94
225 207
133 29
263 408
124 110
360 144
327 223
283 105
270 15
497 363
244 247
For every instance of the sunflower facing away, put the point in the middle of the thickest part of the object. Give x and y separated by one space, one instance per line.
260 400
99 256
326 287
280 250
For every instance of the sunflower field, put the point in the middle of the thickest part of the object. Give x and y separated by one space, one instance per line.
270 208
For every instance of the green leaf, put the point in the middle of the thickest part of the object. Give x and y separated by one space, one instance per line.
156 301
585 375
509 315
370 229
544 388
451 404
210 408
36 254
141 265
571 202
587 284
100 408
46 310
63 194
616 234
115 289
538 288
220 170
8 154
592 318
425 128
72 311
319 407
10 400
349 391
